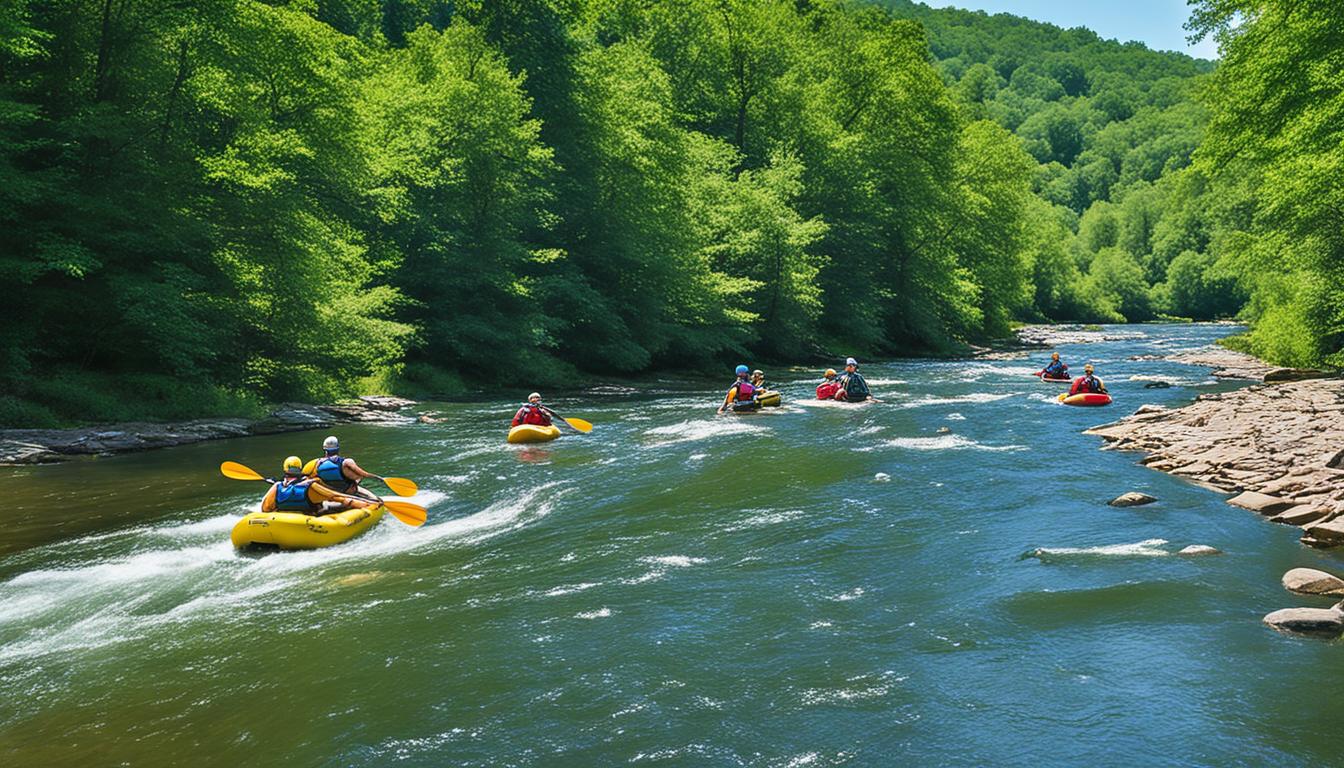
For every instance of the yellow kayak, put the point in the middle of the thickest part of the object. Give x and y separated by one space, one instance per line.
294 530
770 399
531 433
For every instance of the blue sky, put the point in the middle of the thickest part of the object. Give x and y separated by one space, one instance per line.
1156 23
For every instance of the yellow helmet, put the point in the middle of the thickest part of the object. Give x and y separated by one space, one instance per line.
1087 368
293 466
830 371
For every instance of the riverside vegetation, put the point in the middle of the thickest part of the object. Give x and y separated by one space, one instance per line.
211 205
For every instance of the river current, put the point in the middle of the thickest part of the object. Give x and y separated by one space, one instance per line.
815 585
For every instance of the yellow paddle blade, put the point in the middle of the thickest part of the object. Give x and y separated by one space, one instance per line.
1061 397
401 486
310 468
408 513
578 424
235 471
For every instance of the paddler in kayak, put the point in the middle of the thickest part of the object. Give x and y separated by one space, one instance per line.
758 380
532 412
1087 383
305 495
829 386
853 388
741 391
1056 369
337 472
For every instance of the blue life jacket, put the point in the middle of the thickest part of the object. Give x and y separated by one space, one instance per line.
1056 368
293 497
329 471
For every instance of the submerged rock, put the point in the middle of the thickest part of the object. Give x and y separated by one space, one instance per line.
1132 499
882 477
1317 622
1309 581
943 431
1195 550
1157 385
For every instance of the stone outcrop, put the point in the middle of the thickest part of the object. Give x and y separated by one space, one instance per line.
1196 550
1132 499
1318 622
38 446
1226 363
1277 447
1309 581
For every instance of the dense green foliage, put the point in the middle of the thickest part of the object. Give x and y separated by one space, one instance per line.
214 203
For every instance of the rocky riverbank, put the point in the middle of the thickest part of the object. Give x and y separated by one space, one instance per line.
41 446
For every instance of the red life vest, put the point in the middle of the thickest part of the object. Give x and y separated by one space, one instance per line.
531 414
826 390
1084 384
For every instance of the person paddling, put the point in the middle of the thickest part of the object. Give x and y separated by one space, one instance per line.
829 386
1057 369
337 472
758 380
741 391
1087 383
305 495
533 412
852 386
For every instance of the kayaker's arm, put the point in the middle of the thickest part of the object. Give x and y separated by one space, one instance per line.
349 467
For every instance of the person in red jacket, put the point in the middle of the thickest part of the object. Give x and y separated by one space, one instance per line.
1087 383
533 412
828 387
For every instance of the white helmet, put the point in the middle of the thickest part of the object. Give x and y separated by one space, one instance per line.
331 444
536 395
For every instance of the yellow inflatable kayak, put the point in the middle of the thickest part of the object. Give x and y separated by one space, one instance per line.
531 433
770 399
293 530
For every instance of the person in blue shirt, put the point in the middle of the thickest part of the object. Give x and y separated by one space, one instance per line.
1056 369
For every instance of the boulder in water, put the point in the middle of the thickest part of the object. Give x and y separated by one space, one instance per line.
1157 385
1195 550
943 431
1309 581
882 477
1317 622
1132 499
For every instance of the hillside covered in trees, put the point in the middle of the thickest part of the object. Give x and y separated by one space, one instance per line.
210 204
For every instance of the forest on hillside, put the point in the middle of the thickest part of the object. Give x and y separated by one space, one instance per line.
214 204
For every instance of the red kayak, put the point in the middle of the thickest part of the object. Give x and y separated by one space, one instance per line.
1043 377
1086 398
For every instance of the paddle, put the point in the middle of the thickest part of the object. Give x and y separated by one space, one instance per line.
578 425
413 515
398 485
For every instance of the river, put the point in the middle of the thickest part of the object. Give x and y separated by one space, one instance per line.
817 585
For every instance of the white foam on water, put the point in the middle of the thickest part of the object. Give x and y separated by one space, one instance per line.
885 382
570 589
701 429
954 417
211 525
869 430
763 519
974 397
56 610
1145 548
815 403
600 613
697 456
844 597
859 688
661 564
939 443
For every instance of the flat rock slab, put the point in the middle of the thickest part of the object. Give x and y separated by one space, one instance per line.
1317 622
1329 532
1260 502
1302 514
1309 581
1132 499
40 446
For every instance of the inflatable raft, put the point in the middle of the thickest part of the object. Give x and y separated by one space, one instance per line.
745 406
294 530
770 399
1085 398
1050 380
531 433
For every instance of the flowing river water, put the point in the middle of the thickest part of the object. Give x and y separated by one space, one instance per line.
816 585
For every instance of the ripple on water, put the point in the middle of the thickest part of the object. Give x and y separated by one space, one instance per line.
702 429
939 443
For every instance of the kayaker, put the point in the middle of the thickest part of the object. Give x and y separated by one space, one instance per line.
1056 369
741 391
1087 383
829 386
337 472
852 386
305 495
533 412
758 380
